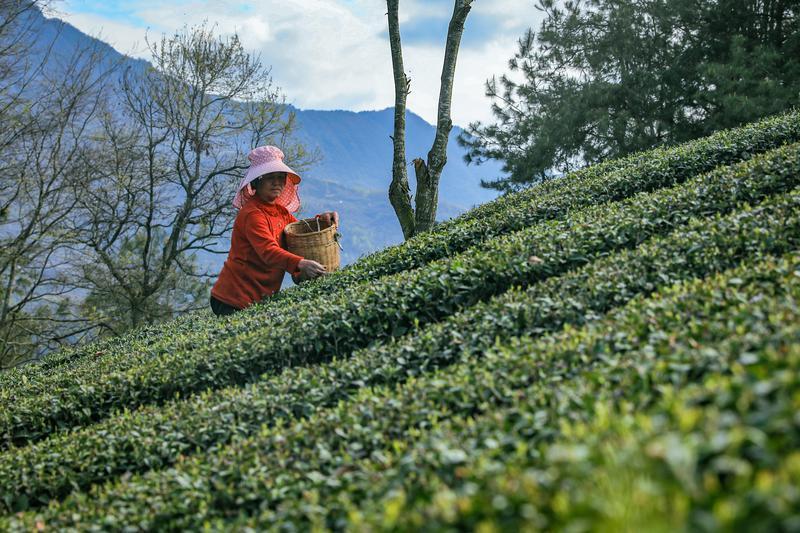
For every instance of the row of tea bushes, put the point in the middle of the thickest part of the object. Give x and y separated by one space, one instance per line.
319 330
520 398
719 455
155 436
318 467
598 184
594 185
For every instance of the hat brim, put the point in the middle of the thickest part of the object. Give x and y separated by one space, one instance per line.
256 171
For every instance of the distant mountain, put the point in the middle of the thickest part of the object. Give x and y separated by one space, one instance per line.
358 152
354 174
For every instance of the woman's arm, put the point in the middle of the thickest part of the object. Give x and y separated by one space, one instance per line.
259 234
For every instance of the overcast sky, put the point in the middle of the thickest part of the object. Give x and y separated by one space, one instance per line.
334 54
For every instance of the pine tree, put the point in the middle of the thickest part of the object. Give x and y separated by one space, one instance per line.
605 78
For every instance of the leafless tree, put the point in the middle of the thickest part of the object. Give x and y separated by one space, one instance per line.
45 116
422 216
173 145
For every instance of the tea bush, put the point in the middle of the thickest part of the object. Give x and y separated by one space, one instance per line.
598 184
617 347
324 328
155 436
317 469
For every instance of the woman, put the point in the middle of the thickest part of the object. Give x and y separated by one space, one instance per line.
257 260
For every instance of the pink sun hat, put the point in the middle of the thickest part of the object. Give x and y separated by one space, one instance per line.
263 160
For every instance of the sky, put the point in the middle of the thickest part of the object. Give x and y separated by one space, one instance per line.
334 54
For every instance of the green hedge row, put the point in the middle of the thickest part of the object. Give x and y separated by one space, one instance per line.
720 455
155 436
319 330
407 444
318 467
594 185
598 184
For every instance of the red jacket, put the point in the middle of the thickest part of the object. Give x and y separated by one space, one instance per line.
257 260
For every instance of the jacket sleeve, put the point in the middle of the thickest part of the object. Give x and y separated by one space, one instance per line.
296 273
260 237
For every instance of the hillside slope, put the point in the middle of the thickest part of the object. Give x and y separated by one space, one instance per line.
618 348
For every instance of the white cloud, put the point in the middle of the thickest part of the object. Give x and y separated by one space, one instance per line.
410 9
329 54
256 31
474 66
125 38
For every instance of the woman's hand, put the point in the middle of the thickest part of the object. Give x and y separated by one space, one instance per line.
327 217
310 269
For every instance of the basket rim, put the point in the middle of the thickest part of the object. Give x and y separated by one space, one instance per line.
307 222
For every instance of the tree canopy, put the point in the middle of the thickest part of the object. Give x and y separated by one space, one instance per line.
605 78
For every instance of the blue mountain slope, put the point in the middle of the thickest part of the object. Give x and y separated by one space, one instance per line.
354 174
358 152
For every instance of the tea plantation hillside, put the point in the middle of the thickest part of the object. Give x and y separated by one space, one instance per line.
617 349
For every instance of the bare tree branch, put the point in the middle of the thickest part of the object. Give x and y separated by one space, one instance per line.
172 150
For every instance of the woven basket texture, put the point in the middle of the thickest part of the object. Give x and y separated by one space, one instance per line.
313 239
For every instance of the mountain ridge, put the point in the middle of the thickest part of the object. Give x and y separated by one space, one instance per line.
354 174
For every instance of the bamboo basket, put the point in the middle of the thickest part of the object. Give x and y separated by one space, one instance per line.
313 239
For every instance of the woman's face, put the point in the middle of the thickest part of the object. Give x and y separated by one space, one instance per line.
270 186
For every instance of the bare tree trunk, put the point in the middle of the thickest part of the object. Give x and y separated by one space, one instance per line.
422 217
399 191
428 175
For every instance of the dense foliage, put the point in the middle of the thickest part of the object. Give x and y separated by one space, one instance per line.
620 347
605 78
